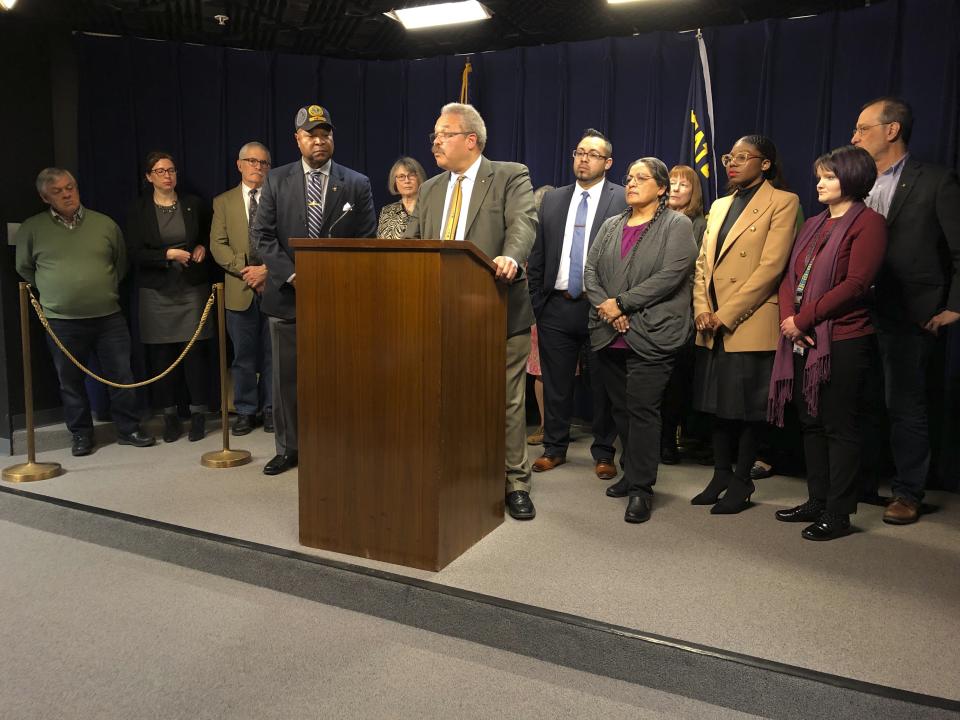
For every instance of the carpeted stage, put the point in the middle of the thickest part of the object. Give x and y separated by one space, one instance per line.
737 611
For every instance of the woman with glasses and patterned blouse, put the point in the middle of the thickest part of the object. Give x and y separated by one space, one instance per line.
745 249
404 180
637 278
166 234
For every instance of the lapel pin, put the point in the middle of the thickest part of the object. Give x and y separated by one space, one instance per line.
334 188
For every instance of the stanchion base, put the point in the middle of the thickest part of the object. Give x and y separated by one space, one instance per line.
30 471
225 458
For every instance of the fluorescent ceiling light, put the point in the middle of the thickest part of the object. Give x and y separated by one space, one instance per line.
8 4
449 13
622 2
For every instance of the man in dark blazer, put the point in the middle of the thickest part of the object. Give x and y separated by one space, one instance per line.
491 204
310 197
918 289
569 218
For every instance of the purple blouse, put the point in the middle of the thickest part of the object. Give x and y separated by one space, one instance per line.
630 237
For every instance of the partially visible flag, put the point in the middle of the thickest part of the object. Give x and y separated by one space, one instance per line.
696 148
465 82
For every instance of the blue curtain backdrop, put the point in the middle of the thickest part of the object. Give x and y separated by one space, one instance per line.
799 81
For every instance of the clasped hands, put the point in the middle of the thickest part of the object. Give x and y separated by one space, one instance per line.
183 257
609 312
792 333
707 322
255 276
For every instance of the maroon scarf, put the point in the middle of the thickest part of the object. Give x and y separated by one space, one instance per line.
816 369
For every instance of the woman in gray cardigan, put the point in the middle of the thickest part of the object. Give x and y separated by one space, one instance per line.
638 278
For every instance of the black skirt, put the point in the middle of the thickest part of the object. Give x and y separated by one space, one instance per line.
732 385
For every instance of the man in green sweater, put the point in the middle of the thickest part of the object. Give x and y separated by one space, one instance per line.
76 258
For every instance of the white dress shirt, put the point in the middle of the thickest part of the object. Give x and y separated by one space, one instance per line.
466 191
246 199
593 200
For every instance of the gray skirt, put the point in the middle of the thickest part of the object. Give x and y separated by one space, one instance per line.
173 318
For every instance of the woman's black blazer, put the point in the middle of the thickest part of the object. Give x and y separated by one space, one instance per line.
147 252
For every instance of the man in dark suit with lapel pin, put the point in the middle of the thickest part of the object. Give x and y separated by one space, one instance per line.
490 204
569 218
918 289
310 197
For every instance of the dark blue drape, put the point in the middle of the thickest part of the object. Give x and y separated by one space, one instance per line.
799 81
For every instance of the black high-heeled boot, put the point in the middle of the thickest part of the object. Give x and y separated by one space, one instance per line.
172 427
737 497
711 493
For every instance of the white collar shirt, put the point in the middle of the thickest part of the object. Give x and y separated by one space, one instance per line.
593 200
466 191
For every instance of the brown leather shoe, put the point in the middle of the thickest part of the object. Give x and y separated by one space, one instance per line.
605 469
901 512
548 462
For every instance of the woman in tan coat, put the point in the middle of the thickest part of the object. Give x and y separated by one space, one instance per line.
745 249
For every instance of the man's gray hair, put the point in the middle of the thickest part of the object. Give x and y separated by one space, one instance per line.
470 119
49 175
253 144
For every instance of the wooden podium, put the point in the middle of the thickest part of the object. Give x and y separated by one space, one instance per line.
401 357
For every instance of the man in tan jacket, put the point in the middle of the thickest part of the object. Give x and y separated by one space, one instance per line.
245 274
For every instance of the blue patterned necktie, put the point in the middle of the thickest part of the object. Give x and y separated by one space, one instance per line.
315 204
254 257
575 284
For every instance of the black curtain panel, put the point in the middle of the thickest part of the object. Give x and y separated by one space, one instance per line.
801 82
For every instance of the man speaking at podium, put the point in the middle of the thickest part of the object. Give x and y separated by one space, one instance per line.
311 197
491 205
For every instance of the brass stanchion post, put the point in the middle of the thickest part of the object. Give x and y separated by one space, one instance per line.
30 470
225 458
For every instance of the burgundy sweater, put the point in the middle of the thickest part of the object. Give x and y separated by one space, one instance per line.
848 302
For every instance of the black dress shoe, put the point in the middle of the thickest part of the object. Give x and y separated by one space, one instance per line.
172 428
198 427
137 438
711 493
810 511
280 463
268 421
761 472
737 497
828 527
669 455
82 445
638 509
243 424
618 489
520 506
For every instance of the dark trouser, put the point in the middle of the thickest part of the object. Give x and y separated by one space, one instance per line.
250 335
635 387
283 339
906 354
562 333
194 369
677 398
109 339
832 439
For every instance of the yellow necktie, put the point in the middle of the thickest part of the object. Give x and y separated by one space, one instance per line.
453 213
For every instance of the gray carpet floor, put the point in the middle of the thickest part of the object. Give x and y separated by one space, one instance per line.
882 605
88 631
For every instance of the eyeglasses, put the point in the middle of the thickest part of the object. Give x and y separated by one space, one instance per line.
637 178
445 135
593 155
400 177
862 129
739 159
253 162
160 172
